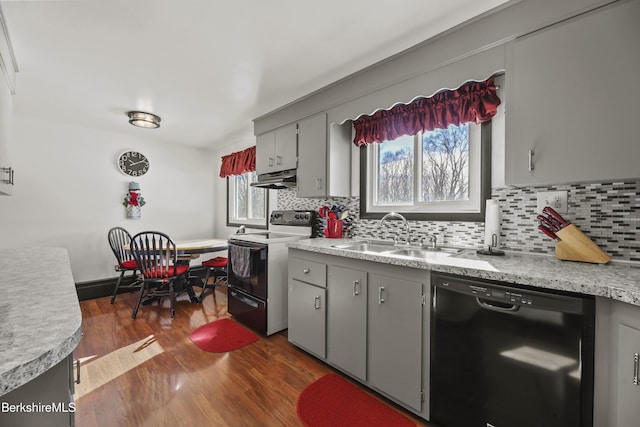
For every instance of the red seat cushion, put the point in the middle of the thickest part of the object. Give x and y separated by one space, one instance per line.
218 261
130 264
173 270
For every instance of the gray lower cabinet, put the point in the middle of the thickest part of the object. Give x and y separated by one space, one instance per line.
307 305
347 320
572 100
307 317
617 364
51 398
377 322
395 337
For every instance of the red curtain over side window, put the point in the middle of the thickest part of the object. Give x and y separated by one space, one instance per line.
472 102
238 163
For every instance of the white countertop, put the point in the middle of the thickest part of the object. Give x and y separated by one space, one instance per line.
619 281
40 317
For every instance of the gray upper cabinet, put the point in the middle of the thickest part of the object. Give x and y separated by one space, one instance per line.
6 170
8 69
324 158
277 150
572 100
347 320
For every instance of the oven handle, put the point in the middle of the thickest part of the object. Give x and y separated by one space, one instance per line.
485 304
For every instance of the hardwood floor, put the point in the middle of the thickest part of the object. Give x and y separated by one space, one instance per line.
147 372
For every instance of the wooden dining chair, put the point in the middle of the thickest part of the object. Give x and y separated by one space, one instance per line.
157 259
118 237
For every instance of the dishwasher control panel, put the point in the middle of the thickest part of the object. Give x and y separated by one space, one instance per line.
506 293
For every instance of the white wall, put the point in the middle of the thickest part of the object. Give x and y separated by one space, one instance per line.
68 192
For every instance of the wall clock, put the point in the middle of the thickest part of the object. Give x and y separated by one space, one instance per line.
133 163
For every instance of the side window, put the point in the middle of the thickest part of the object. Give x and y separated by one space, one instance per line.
246 205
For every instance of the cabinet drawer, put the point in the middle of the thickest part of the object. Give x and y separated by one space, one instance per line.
308 271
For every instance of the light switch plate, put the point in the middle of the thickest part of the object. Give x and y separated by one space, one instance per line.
555 199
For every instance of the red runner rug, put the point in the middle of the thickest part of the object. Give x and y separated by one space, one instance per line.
221 336
334 402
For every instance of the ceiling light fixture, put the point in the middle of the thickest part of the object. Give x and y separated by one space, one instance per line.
144 120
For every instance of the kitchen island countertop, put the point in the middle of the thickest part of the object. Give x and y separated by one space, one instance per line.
40 317
618 281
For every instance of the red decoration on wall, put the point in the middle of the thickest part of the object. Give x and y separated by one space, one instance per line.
238 163
472 102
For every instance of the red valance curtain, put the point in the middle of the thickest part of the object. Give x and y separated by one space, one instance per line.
472 102
238 163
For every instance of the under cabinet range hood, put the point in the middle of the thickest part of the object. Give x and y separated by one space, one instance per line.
276 180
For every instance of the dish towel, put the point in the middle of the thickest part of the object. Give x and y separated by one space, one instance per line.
240 260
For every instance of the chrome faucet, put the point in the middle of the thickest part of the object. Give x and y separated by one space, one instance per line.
433 239
406 224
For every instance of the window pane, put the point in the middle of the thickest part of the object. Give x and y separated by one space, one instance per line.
445 164
257 195
395 171
242 203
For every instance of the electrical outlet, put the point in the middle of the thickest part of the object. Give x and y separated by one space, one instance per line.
555 199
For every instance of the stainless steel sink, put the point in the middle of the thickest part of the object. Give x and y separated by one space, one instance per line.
367 247
394 251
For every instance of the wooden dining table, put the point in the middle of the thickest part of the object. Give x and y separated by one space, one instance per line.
193 248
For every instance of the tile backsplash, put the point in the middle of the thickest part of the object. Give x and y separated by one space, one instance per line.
608 213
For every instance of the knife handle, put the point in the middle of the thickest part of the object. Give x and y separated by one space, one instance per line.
555 215
548 232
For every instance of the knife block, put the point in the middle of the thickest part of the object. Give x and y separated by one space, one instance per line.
575 246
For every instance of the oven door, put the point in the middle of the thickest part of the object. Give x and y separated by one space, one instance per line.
247 267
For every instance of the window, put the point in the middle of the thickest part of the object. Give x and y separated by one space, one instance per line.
246 205
442 175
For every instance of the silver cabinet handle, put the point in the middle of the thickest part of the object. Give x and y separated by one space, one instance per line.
636 370
306 271
270 161
531 153
77 371
9 171
356 288
380 291
278 160
316 302
318 183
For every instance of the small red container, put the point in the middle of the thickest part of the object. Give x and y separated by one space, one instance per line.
334 228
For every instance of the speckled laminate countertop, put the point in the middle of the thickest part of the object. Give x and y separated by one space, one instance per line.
619 281
40 318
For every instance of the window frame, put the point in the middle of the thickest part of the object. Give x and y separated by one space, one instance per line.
261 225
485 187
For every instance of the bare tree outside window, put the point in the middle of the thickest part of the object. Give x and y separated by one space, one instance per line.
445 164
395 171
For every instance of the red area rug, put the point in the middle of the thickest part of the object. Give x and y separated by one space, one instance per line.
221 336
334 402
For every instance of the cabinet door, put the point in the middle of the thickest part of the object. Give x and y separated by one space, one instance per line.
312 162
307 317
347 320
265 152
628 376
6 109
395 338
572 98
286 149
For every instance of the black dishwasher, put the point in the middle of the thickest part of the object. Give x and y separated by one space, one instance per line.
505 356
